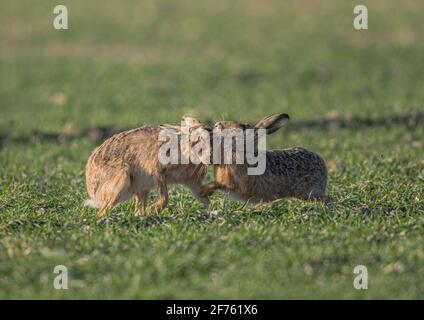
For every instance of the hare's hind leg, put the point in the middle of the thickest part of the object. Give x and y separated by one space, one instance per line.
114 191
141 202
318 193
104 209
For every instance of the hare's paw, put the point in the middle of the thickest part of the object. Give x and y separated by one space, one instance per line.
156 208
138 212
206 192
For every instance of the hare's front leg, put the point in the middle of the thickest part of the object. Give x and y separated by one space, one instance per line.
163 195
141 202
209 188
196 189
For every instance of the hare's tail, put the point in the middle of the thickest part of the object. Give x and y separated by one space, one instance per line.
91 203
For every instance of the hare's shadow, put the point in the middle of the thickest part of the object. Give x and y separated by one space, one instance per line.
148 221
244 211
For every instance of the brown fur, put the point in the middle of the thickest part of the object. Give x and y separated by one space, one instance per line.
126 165
295 172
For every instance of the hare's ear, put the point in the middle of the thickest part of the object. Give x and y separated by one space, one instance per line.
273 123
171 126
189 121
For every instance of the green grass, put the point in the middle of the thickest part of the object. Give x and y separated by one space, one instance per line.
127 63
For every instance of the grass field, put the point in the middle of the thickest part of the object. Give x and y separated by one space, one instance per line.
355 97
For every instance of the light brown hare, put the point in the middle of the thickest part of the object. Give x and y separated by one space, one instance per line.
126 165
295 172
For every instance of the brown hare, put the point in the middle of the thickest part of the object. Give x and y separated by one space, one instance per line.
127 165
295 172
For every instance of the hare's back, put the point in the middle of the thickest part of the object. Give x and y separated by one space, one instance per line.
297 161
296 172
119 153
124 146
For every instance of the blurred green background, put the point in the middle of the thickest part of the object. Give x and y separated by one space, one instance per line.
123 64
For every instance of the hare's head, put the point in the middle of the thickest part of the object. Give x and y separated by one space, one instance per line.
190 141
189 124
193 124
233 134
199 135
271 124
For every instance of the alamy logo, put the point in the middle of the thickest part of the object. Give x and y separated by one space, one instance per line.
361 280
61 20
360 22
60 282
227 146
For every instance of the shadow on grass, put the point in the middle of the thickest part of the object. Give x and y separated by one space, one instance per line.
143 222
129 221
234 217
